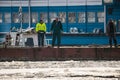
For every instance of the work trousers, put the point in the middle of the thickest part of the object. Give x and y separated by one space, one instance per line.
41 39
58 37
112 37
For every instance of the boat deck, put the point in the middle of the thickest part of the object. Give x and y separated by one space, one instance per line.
93 52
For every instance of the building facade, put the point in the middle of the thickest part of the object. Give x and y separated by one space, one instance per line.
85 15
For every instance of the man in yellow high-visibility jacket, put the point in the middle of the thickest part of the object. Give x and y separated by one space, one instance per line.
41 30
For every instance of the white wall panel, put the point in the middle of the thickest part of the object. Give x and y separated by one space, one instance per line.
76 2
19 3
94 2
50 2
39 2
5 3
57 2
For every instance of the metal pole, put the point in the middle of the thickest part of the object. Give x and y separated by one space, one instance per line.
11 15
20 14
67 14
104 18
86 15
29 13
48 16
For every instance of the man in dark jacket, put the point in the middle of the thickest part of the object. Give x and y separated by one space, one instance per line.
56 29
111 32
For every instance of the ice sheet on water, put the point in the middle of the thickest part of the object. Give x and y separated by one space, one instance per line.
57 64
57 70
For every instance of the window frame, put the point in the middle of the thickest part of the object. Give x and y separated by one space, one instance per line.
70 17
1 17
62 17
16 17
25 16
44 18
51 18
91 18
8 19
34 16
83 17
100 17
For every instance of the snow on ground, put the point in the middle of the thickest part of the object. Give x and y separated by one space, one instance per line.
60 70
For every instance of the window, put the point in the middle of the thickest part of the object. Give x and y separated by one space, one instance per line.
15 18
7 18
52 15
34 17
62 16
1 18
81 17
100 16
25 17
91 17
71 17
43 16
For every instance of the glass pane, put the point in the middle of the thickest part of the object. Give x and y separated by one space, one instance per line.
71 17
91 17
15 18
0 17
91 14
52 15
62 16
100 19
43 16
100 16
7 18
34 17
81 14
81 17
25 18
